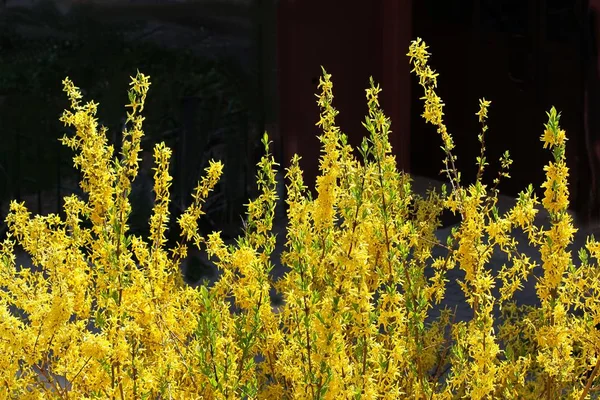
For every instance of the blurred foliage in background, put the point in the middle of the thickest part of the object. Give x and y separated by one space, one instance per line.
210 99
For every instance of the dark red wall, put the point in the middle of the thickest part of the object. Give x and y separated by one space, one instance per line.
353 40
523 76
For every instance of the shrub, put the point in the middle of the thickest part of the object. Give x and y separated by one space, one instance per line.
356 298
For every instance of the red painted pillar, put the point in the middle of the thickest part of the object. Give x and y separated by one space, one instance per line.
353 41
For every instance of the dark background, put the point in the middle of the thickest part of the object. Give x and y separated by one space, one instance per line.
206 60
225 71
524 56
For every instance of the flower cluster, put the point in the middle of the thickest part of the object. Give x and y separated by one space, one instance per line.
109 312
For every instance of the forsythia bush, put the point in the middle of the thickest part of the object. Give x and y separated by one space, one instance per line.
110 313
